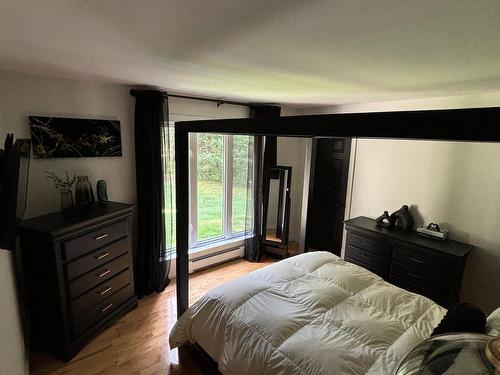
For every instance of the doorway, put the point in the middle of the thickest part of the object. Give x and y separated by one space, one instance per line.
327 194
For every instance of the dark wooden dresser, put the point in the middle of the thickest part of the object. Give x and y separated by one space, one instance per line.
79 274
429 267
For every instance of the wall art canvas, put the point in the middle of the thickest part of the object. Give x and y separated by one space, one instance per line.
59 137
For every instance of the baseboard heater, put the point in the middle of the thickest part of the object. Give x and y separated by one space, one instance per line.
218 257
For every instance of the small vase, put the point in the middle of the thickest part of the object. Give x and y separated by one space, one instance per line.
66 200
403 218
84 194
385 221
102 194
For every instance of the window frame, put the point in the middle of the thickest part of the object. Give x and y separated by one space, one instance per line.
227 195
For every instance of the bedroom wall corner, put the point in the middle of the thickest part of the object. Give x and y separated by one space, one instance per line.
24 94
452 183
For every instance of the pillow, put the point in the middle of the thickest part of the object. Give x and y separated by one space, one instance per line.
493 323
462 317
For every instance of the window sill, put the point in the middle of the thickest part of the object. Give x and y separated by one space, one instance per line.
213 247
206 249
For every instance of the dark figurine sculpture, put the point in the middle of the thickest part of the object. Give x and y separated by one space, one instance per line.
102 194
403 218
384 220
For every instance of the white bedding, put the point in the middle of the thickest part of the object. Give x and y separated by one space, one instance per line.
310 314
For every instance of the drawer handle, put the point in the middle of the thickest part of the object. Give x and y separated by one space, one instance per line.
417 260
365 256
100 237
104 291
366 243
107 307
103 273
103 255
416 276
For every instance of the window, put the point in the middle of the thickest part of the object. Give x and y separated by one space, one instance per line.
210 180
221 175
169 187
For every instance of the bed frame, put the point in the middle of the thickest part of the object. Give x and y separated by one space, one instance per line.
477 124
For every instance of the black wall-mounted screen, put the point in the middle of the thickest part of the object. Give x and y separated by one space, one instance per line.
58 137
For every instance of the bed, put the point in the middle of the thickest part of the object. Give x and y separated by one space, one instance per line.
310 314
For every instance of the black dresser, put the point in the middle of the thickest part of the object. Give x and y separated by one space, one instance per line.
79 274
433 268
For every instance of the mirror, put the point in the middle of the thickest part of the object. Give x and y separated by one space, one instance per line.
277 206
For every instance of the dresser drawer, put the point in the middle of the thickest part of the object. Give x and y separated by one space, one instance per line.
101 310
99 275
93 240
421 279
418 260
376 262
97 258
378 247
100 292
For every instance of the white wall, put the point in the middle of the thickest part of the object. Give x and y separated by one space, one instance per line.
187 109
465 101
22 95
451 183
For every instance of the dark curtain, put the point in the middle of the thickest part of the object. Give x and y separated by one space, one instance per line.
150 127
264 157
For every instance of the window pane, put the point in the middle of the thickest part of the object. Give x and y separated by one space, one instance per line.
210 162
169 186
242 182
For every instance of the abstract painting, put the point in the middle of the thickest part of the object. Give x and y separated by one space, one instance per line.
58 137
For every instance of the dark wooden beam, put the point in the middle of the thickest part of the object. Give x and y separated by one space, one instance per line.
182 219
475 124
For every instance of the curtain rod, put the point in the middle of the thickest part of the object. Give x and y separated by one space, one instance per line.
218 101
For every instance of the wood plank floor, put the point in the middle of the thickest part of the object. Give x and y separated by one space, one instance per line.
138 342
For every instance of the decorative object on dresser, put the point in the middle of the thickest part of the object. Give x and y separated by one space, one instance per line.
431 268
402 218
385 220
433 231
65 186
79 274
102 193
84 194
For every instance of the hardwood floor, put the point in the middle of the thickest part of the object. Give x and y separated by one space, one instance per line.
138 342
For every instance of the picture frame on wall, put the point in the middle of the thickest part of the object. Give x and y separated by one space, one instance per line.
62 137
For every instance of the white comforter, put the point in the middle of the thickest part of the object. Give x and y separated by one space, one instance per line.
309 314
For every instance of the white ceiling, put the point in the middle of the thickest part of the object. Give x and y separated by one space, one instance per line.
316 52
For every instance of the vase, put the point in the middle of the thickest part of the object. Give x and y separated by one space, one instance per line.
84 194
102 194
403 218
66 200
385 221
